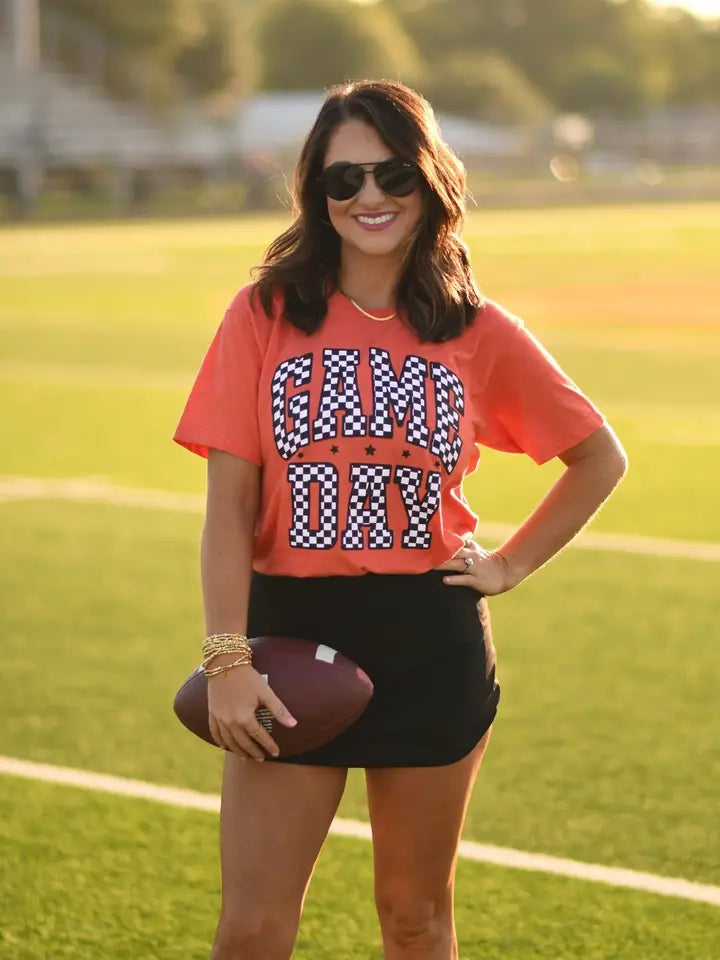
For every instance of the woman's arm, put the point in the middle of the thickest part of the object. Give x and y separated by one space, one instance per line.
594 467
233 495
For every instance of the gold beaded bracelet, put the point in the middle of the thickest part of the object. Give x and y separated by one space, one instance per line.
222 637
221 643
230 647
224 643
214 671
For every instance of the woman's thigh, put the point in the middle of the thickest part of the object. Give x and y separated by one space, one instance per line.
273 821
417 815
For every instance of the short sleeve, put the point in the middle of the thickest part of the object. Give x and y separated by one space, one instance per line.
527 402
222 409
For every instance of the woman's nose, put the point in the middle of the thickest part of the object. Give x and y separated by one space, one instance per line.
370 191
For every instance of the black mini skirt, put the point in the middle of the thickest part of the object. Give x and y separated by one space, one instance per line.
426 646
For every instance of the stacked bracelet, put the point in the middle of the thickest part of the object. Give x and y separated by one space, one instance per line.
214 671
220 643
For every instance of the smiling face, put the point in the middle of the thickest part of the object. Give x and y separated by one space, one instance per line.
372 222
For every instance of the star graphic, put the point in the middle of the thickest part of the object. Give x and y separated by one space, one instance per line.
370 449
437 463
334 449
406 453
301 455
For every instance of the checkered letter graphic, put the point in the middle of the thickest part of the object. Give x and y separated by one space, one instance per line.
340 392
419 512
405 395
302 476
288 442
448 416
369 482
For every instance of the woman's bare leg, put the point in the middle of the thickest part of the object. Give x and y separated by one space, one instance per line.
417 814
274 819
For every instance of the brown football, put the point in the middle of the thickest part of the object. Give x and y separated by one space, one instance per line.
324 690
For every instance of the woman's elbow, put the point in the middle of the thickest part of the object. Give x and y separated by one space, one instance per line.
618 460
602 455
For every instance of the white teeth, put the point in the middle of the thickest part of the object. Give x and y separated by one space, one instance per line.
385 218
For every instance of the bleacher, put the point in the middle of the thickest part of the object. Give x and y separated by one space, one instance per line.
68 121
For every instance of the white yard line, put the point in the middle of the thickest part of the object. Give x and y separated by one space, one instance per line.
482 852
91 490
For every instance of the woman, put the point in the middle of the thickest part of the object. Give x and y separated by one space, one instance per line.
339 406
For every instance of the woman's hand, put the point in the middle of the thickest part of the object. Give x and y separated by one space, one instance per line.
489 572
233 698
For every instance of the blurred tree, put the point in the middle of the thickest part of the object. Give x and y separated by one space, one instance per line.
151 46
691 52
484 85
222 62
312 44
593 81
635 54
160 26
586 55
533 34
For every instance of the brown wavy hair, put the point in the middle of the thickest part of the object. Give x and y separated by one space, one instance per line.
436 288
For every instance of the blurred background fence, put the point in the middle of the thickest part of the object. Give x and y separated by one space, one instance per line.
185 106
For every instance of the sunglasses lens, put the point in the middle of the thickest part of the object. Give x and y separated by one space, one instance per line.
396 178
343 180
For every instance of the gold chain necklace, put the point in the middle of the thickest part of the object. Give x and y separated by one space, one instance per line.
370 315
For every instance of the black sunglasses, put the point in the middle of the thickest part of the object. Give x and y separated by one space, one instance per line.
343 180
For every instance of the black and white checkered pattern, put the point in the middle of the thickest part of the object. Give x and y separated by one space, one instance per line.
301 477
288 442
369 482
419 512
406 394
448 416
340 367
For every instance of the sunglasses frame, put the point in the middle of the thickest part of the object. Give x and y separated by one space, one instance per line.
392 162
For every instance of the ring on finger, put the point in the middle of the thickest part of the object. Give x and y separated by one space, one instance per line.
468 562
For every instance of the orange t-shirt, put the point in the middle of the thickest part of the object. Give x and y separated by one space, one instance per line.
364 433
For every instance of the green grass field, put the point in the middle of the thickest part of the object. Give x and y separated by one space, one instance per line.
606 746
